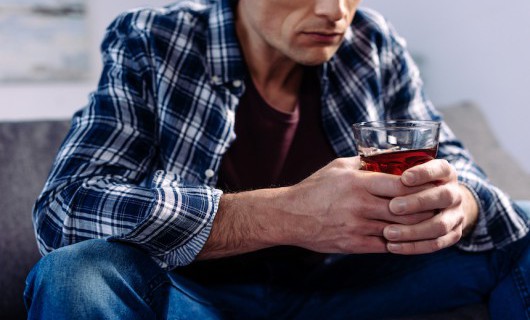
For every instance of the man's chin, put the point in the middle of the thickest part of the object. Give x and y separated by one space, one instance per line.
315 58
314 61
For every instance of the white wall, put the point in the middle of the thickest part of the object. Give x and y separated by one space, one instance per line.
59 99
477 50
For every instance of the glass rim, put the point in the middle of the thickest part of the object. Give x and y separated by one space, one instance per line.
397 123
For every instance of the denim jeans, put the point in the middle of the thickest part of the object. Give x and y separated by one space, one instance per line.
96 279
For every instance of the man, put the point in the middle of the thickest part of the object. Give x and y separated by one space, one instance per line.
256 98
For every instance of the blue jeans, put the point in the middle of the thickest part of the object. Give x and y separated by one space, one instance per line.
96 279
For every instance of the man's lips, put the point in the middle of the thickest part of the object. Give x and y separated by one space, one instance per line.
324 37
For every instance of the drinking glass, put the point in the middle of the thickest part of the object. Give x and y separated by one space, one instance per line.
393 146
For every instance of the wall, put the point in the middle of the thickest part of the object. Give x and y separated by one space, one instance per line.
474 50
59 99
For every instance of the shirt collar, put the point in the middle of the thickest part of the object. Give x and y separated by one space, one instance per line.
224 57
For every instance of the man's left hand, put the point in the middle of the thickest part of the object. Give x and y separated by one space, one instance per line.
456 209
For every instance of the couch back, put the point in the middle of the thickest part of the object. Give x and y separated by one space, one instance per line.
27 150
471 126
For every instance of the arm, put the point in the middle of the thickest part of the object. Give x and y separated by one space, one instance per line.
339 209
108 179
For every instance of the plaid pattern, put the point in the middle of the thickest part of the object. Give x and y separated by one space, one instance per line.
140 162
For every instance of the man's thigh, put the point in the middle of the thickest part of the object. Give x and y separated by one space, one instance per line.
385 285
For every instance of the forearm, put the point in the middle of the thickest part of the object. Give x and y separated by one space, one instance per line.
246 222
338 209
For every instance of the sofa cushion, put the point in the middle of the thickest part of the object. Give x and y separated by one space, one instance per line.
470 126
27 150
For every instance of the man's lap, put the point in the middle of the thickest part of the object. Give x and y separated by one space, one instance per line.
363 286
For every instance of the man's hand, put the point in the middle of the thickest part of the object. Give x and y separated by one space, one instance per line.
338 209
454 204
341 209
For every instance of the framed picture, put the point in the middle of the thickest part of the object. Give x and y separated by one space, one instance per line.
43 40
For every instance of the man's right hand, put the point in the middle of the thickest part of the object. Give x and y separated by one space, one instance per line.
342 209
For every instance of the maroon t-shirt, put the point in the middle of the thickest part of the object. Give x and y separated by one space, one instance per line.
274 148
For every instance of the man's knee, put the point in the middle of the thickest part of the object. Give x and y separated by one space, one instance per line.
86 259
85 271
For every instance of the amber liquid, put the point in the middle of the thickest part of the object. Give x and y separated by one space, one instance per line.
397 162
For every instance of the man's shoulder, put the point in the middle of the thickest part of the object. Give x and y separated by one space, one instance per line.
370 30
367 19
181 16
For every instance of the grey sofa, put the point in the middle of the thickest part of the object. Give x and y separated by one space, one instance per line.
28 148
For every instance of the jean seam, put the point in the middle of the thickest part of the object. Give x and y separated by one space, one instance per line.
153 285
162 279
523 290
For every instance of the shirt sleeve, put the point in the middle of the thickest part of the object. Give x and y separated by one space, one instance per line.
103 183
500 222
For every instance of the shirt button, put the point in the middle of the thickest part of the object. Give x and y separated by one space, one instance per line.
216 80
209 173
237 83
230 115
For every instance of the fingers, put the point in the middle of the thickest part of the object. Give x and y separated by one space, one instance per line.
425 246
372 245
359 244
389 186
437 170
370 228
411 219
440 197
443 230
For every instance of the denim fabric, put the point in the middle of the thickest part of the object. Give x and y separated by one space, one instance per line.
96 279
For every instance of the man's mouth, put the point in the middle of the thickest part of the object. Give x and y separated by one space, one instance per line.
324 37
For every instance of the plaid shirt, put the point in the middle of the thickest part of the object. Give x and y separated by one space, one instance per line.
140 162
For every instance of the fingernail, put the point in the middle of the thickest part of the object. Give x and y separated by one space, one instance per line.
392 233
398 205
393 247
409 178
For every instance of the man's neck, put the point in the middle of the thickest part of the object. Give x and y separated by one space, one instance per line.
277 84
276 77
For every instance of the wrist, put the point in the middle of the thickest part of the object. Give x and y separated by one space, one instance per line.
471 210
246 222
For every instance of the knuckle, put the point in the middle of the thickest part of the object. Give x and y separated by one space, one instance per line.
364 207
405 248
447 194
338 163
421 201
410 248
411 219
460 220
430 173
346 246
457 235
446 167
437 244
370 185
410 233
443 227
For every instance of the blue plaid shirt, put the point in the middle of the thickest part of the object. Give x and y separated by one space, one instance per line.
140 162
